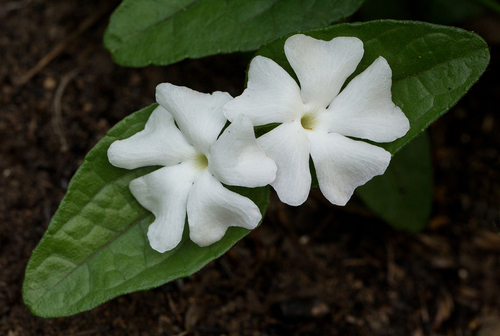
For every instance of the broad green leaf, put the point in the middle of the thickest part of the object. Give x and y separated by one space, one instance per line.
96 247
449 11
403 195
432 66
435 11
492 5
161 32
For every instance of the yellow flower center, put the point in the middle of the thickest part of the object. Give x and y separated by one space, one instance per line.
200 161
308 121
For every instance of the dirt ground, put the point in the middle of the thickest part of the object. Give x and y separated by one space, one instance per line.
312 270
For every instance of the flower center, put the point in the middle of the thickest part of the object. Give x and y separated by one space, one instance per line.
308 121
200 161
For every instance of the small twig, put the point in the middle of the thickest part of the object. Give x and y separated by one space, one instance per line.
424 312
86 24
390 264
319 229
87 332
173 308
184 333
57 117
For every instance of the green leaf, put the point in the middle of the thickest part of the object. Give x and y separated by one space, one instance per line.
435 11
161 32
493 5
403 195
449 11
432 66
96 247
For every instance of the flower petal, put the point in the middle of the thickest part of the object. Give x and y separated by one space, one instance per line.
160 143
322 66
288 146
364 109
212 209
271 96
343 164
236 159
198 115
164 192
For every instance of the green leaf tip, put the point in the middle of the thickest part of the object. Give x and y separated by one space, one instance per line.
433 66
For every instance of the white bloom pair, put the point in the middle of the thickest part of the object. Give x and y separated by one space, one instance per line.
315 120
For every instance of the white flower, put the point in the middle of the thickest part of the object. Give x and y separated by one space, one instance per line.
319 121
196 160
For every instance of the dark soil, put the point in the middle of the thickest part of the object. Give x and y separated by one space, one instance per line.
312 270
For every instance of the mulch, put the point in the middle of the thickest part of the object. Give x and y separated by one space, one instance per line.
317 269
